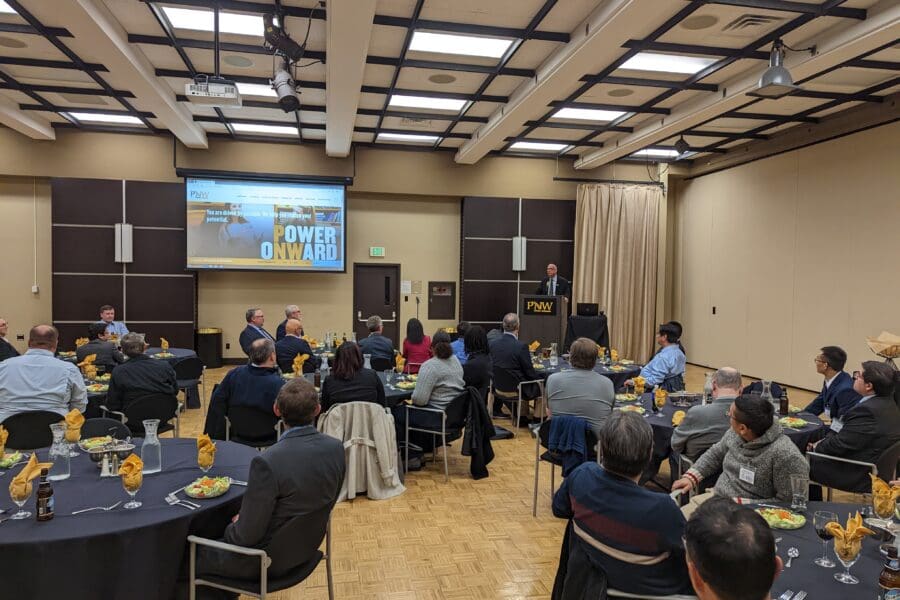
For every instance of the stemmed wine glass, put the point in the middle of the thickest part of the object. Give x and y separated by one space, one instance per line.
20 502
847 554
132 485
821 518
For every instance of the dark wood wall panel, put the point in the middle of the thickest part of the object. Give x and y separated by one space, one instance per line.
179 335
155 204
488 301
488 259
158 251
84 250
490 217
68 333
548 219
540 254
151 298
86 201
77 297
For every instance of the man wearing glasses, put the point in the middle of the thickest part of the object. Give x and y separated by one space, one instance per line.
838 395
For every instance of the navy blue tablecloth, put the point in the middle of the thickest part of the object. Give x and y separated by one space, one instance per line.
617 375
134 554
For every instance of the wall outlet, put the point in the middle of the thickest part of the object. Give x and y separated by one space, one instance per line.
20 337
35 289
227 346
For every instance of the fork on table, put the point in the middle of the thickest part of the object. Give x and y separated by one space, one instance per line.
173 501
103 508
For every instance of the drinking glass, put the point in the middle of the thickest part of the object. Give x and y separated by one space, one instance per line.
205 467
821 518
73 436
387 376
799 492
20 502
132 491
850 554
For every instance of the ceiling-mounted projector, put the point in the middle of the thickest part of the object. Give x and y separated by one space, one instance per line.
213 91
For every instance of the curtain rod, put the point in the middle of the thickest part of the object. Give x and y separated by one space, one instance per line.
588 180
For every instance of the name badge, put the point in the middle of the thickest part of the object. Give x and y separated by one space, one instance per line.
827 413
747 475
837 425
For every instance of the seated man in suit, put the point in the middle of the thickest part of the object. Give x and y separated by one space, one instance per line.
254 329
108 356
38 380
553 284
291 311
291 346
867 430
140 376
300 475
7 350
666 368
376 344
113 327
512 364
255 385
705 425
838 395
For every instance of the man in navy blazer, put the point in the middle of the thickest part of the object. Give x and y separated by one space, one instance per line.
291 346
553 284
512 364
377 344
254 329
837 396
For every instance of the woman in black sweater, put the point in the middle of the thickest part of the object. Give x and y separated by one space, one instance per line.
348 381
479 367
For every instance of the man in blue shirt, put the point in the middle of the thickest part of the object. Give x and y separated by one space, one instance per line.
376 344
620 530
666 368
837 395
459 344
113 327
39 381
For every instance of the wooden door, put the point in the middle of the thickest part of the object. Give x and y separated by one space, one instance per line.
376 291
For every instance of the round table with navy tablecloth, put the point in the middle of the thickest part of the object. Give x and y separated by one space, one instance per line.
134 554
618 372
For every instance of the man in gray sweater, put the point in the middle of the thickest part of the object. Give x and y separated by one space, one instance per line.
755 457
582 392
705 425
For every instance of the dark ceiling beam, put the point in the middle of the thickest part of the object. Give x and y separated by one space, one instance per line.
515 138
643 82
739 114
654 110
447 66
321 126
369 112
796 7
407 40
374 89
863 63
845 97
9 82
731 135
718 51
578 126
62 89
377 130
179 74
28 29
93 111
46 64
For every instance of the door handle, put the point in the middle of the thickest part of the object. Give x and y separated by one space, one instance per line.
359 317
393 318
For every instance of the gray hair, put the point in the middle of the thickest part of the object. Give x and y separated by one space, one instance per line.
290 308
510 322
250 313
626 444
728 377
132 344
373 323
261 350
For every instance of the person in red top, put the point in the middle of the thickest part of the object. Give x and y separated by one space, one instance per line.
416 346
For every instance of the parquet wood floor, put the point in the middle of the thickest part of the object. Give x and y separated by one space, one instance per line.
462 540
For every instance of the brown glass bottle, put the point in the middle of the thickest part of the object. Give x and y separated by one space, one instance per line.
44 498
889 580
784 408
317 378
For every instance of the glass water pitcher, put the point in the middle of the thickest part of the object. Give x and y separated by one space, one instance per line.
59 454
151 450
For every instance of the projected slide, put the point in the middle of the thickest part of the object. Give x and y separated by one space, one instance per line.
239 224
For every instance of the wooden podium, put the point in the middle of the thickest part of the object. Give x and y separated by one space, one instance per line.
543 318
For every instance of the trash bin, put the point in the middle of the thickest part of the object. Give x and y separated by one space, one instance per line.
209 346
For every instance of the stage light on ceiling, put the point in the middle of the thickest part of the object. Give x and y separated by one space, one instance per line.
681 146
776 81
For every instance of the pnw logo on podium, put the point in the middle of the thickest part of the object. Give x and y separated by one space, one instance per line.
540 305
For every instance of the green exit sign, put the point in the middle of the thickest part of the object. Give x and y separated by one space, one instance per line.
376 251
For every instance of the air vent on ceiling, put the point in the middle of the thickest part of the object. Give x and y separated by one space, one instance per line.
412 122
751 21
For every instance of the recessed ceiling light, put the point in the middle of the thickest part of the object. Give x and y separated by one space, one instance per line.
539 146
406 137
667 63
425 102
274 129
6 8
256 89
441 78
235 60
8 42
587 114
202 20
657 153
467 45
620 92
698 22
105 118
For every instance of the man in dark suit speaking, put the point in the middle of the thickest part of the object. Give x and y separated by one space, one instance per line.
553 284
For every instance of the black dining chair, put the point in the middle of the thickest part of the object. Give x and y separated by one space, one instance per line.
290 557
508 388
152 406
189 375
101 426
30 430
454 418
251 426
381 364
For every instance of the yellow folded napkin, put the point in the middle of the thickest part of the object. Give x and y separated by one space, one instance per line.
164 344
847 541
298 363
79 342
400 362
132 472
206 451
601 351
614 355
74 421
88 360
534 345
884 497
678 417
20 486
3 435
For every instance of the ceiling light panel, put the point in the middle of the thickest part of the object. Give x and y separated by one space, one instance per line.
270 129
202 20
406 137
105 118
538 146
465 45
587 114
256 89
656 153
6 8
447 104
667 63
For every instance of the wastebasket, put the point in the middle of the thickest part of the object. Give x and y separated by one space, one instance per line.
209 346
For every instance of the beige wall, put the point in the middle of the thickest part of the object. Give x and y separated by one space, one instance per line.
795 252
420 233
25 208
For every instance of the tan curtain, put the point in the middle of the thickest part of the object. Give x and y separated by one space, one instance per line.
616 238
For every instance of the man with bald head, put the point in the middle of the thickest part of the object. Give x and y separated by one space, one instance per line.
703 426
293 345
39 381
553 284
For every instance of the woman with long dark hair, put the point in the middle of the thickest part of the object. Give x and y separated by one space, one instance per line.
416 346
349 381
479 367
